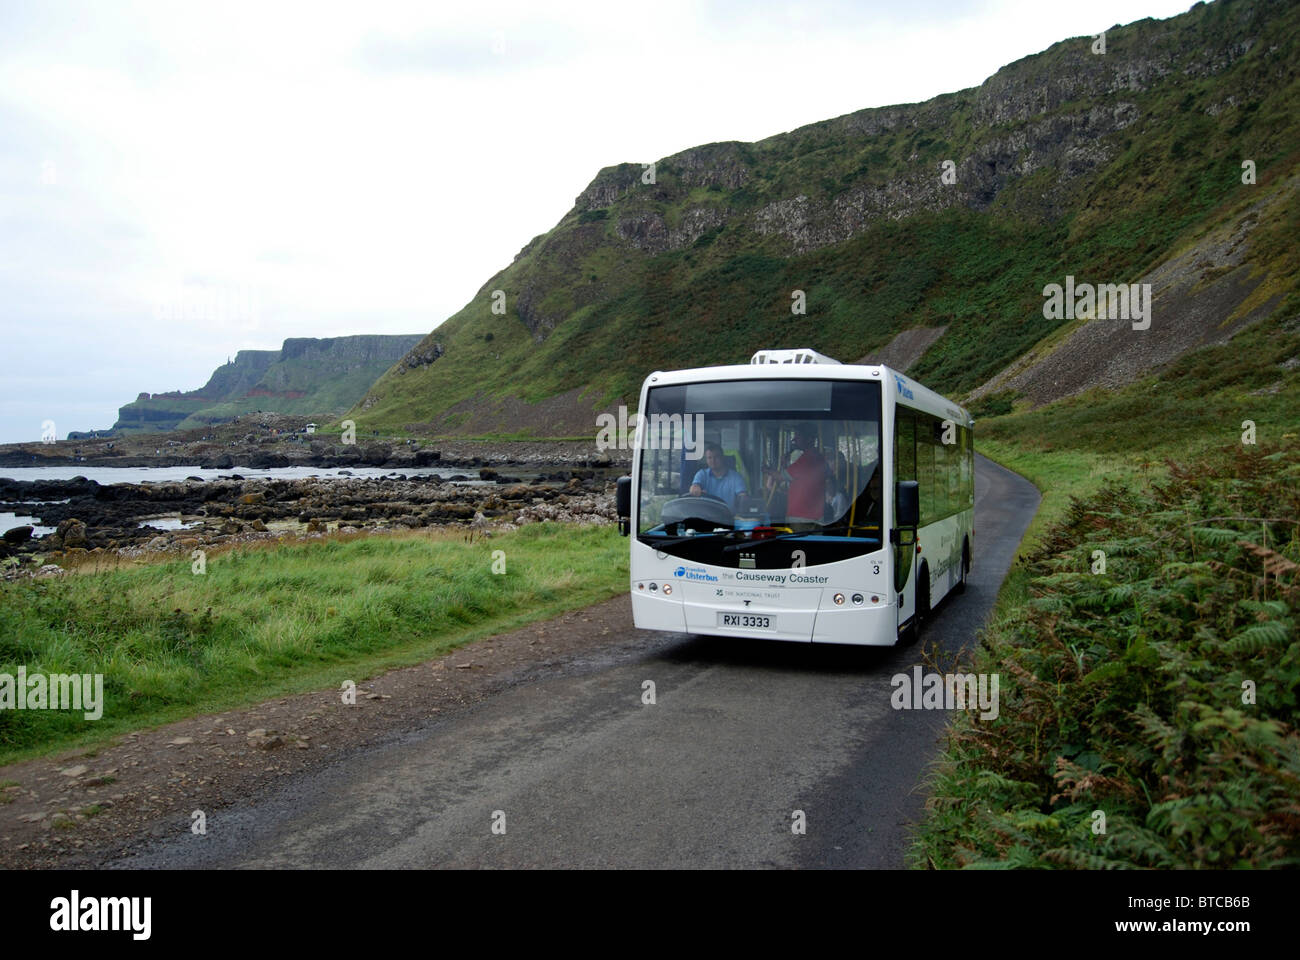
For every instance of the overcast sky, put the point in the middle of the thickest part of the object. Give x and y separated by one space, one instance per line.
180 181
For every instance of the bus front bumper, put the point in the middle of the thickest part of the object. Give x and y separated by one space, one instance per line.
802 616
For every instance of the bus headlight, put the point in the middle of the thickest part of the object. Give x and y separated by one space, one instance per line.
839 599
857 599
668 589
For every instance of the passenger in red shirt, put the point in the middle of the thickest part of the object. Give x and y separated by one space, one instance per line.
807 476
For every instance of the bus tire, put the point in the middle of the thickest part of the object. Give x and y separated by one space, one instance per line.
965 566
912 632
909 634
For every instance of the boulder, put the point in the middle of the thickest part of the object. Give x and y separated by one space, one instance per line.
18 534
72 533
267 461
376 455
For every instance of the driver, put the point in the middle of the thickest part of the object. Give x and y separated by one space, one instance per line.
717 479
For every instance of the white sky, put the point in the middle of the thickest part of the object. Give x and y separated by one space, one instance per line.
179 181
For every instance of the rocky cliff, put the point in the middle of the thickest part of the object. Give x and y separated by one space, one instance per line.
953 214
316 377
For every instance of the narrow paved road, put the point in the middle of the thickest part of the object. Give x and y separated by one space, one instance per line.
742 735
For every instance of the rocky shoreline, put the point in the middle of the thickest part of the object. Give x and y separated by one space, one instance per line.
504 483
269 441
96 522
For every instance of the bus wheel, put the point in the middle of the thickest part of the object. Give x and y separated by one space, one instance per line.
909 634
965 566
912 632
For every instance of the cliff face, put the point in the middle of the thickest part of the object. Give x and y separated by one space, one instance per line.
953 214
315 377
232 380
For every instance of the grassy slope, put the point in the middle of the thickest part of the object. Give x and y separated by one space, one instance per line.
1122 690
618 313
266 622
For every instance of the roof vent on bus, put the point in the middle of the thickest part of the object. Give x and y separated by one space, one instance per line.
802 355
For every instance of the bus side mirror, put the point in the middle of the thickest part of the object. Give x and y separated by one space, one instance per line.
907 501
623 504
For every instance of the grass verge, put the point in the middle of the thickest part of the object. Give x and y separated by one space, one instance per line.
1060 476
278 620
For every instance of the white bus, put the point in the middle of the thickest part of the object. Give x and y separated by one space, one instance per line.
757 504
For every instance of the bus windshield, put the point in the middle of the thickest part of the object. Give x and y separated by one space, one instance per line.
752 460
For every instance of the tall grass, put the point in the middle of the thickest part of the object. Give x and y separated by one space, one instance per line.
263 622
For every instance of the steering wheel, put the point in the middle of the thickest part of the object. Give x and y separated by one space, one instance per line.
708 508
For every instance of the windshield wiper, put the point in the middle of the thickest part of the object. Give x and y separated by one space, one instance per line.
793 535
755 542
672 541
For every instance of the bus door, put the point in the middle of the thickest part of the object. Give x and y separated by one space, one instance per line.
903 541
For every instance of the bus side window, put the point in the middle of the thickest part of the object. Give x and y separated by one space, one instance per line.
904 445
925 468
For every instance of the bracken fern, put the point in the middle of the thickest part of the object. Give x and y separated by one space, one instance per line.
1160 695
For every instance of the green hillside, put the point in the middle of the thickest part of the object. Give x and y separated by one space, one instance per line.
306 375
1065 162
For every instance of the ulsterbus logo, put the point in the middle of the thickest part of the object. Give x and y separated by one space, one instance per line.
694 573
904 390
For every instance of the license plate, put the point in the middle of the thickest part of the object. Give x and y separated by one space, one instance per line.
747 621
